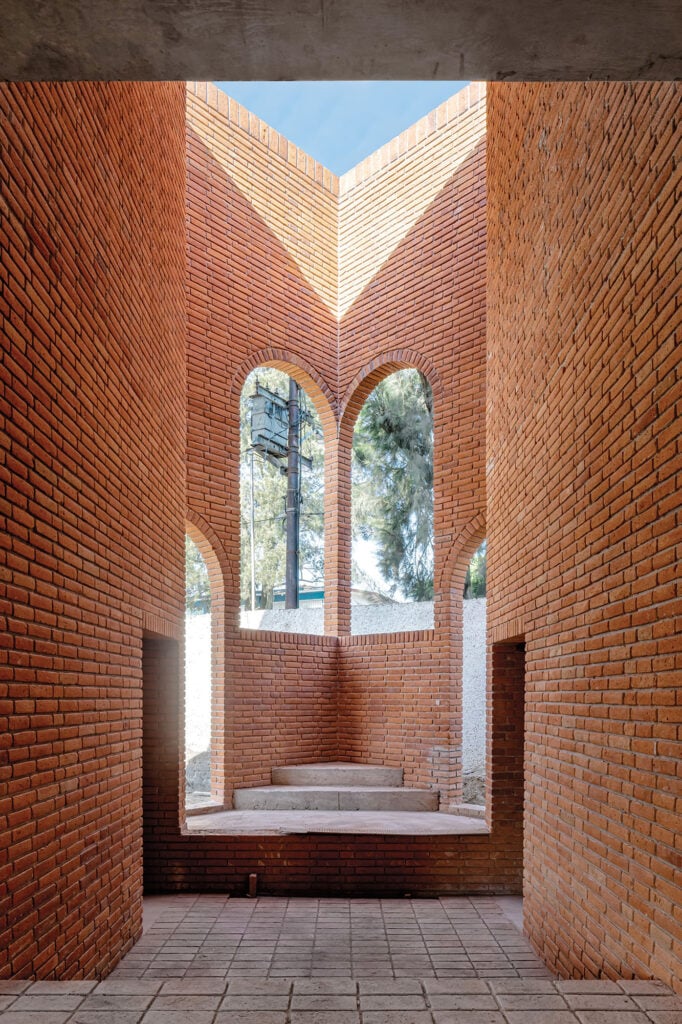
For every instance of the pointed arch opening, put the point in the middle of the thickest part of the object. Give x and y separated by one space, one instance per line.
474 667
282 503
204 746
392 555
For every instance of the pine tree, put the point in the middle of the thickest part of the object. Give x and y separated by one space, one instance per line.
393 481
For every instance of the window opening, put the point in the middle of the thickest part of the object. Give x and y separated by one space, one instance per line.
474 678
282 506
392 507
197 678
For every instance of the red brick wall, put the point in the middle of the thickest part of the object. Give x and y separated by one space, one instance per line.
261 220
583 490
412 292
289 266
91 501
342 281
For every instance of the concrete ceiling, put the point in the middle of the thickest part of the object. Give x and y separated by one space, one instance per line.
340 39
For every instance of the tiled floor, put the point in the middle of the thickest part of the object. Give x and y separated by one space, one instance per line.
210 960
212 936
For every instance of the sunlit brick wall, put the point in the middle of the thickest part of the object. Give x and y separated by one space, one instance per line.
583 500
91 501
262 288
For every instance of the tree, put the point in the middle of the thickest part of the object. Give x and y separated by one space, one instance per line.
270 487
476 577
393 481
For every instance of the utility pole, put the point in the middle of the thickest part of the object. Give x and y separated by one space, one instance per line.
293 502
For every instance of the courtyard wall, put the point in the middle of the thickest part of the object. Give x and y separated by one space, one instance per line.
91 498
583 506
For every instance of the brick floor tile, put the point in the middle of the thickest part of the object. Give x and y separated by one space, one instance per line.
468 1017
51 1002
390 986
61 988
190 986
522 986
462 1001
530 1001
398 1001
121 1001
128 986
397 1017
323 986
36 1017
255 1001
541 1017
82 1016
456 986
598 1000
186 1002
259 986
582 985
178 1017
325 1017
329 1001
636 986
252 1017
612 1017
658 1001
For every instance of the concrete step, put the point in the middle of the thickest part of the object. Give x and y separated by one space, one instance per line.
334 798
336 773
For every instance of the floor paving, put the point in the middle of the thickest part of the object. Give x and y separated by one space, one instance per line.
212 960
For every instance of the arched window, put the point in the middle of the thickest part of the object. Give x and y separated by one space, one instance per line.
197 677
474 678
392 507
282 506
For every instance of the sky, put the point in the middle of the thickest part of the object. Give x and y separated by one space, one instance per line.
340 123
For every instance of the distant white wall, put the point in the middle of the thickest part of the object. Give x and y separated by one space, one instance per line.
197 684
473 687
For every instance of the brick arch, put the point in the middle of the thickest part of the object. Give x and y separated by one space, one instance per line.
373 372
220 576
459 553
303 373
221 572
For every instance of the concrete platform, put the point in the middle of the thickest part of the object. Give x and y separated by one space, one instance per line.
275 823
336 773
335 798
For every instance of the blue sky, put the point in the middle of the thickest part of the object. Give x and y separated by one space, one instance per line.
340 123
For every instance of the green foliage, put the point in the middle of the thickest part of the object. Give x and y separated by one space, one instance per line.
270 486
197 588
392 470
475 581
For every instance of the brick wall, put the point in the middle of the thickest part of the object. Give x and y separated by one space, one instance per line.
412 292
91 501
263 223
583 492
292 267
262 281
